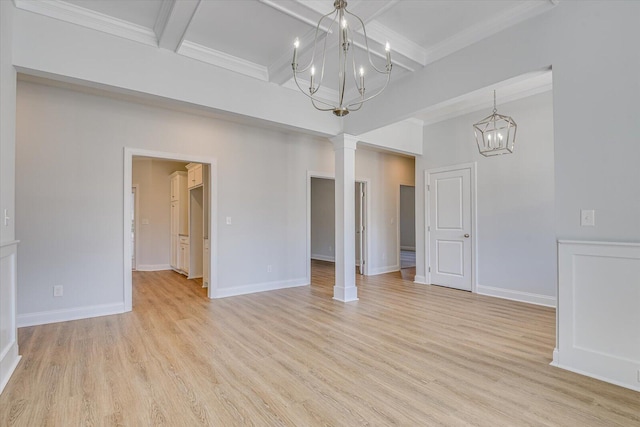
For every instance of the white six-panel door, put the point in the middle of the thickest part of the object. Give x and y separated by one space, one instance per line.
449 227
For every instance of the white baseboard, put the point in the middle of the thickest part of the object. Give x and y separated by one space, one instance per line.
598 377
259 287
319 257
54 316
383 270
537 299
421 280
8 363
154 267
408 248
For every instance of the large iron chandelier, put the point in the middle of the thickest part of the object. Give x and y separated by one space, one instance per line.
347 58
495 134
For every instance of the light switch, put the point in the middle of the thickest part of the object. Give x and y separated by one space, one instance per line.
228 220
587 217
145 221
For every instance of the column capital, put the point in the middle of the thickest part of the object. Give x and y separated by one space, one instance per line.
344 141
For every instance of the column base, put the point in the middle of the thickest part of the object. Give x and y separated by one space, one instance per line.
345 294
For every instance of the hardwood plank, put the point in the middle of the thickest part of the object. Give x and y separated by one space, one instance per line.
404 354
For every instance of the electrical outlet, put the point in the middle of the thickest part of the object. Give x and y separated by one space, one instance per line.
57 291
269 269
228 220
639 375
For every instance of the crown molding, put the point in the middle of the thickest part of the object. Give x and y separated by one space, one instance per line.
400 44
90 19
525 10
486 105
223 60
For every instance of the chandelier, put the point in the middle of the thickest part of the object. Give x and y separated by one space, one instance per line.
348 57
495 134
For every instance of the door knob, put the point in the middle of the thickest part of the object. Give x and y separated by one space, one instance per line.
466 236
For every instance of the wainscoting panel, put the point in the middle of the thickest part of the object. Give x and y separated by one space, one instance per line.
9 357
599 311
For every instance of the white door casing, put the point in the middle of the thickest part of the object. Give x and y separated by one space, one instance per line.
450 235
360 227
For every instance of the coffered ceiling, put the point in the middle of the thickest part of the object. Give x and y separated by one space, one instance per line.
255 37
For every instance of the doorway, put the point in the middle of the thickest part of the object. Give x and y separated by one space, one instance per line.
210 221
407 226
321 221
450 232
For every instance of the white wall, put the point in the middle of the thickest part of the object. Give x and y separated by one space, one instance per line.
516 243
154 239
323 219
71 223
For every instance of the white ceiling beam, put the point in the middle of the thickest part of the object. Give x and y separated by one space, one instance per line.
173 22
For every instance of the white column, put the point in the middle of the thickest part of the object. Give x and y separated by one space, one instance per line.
345 152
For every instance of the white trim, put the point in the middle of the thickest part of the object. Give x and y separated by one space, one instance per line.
527 297
223 60
595 243
54 316
557 364
383 270
8 364
420 280
326 258
136 212
163 17
380 33
154 267
259 287
474 218
9 356
90 19
213 214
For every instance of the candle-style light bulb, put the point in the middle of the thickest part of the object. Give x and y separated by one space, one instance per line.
313 73
361 78
344 23
296 44
387 49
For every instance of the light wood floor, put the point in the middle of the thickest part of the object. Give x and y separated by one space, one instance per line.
404 354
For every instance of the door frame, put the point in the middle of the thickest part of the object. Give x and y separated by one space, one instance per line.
136 219
129 153
367 209
474 222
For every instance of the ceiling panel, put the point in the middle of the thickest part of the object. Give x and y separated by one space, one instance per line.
430 22
143 13
247 29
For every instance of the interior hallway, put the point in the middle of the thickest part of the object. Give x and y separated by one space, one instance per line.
403 354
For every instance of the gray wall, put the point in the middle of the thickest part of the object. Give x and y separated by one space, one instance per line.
515 194
407 217
70 223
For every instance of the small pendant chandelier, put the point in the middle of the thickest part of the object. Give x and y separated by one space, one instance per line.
347 58
495 134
